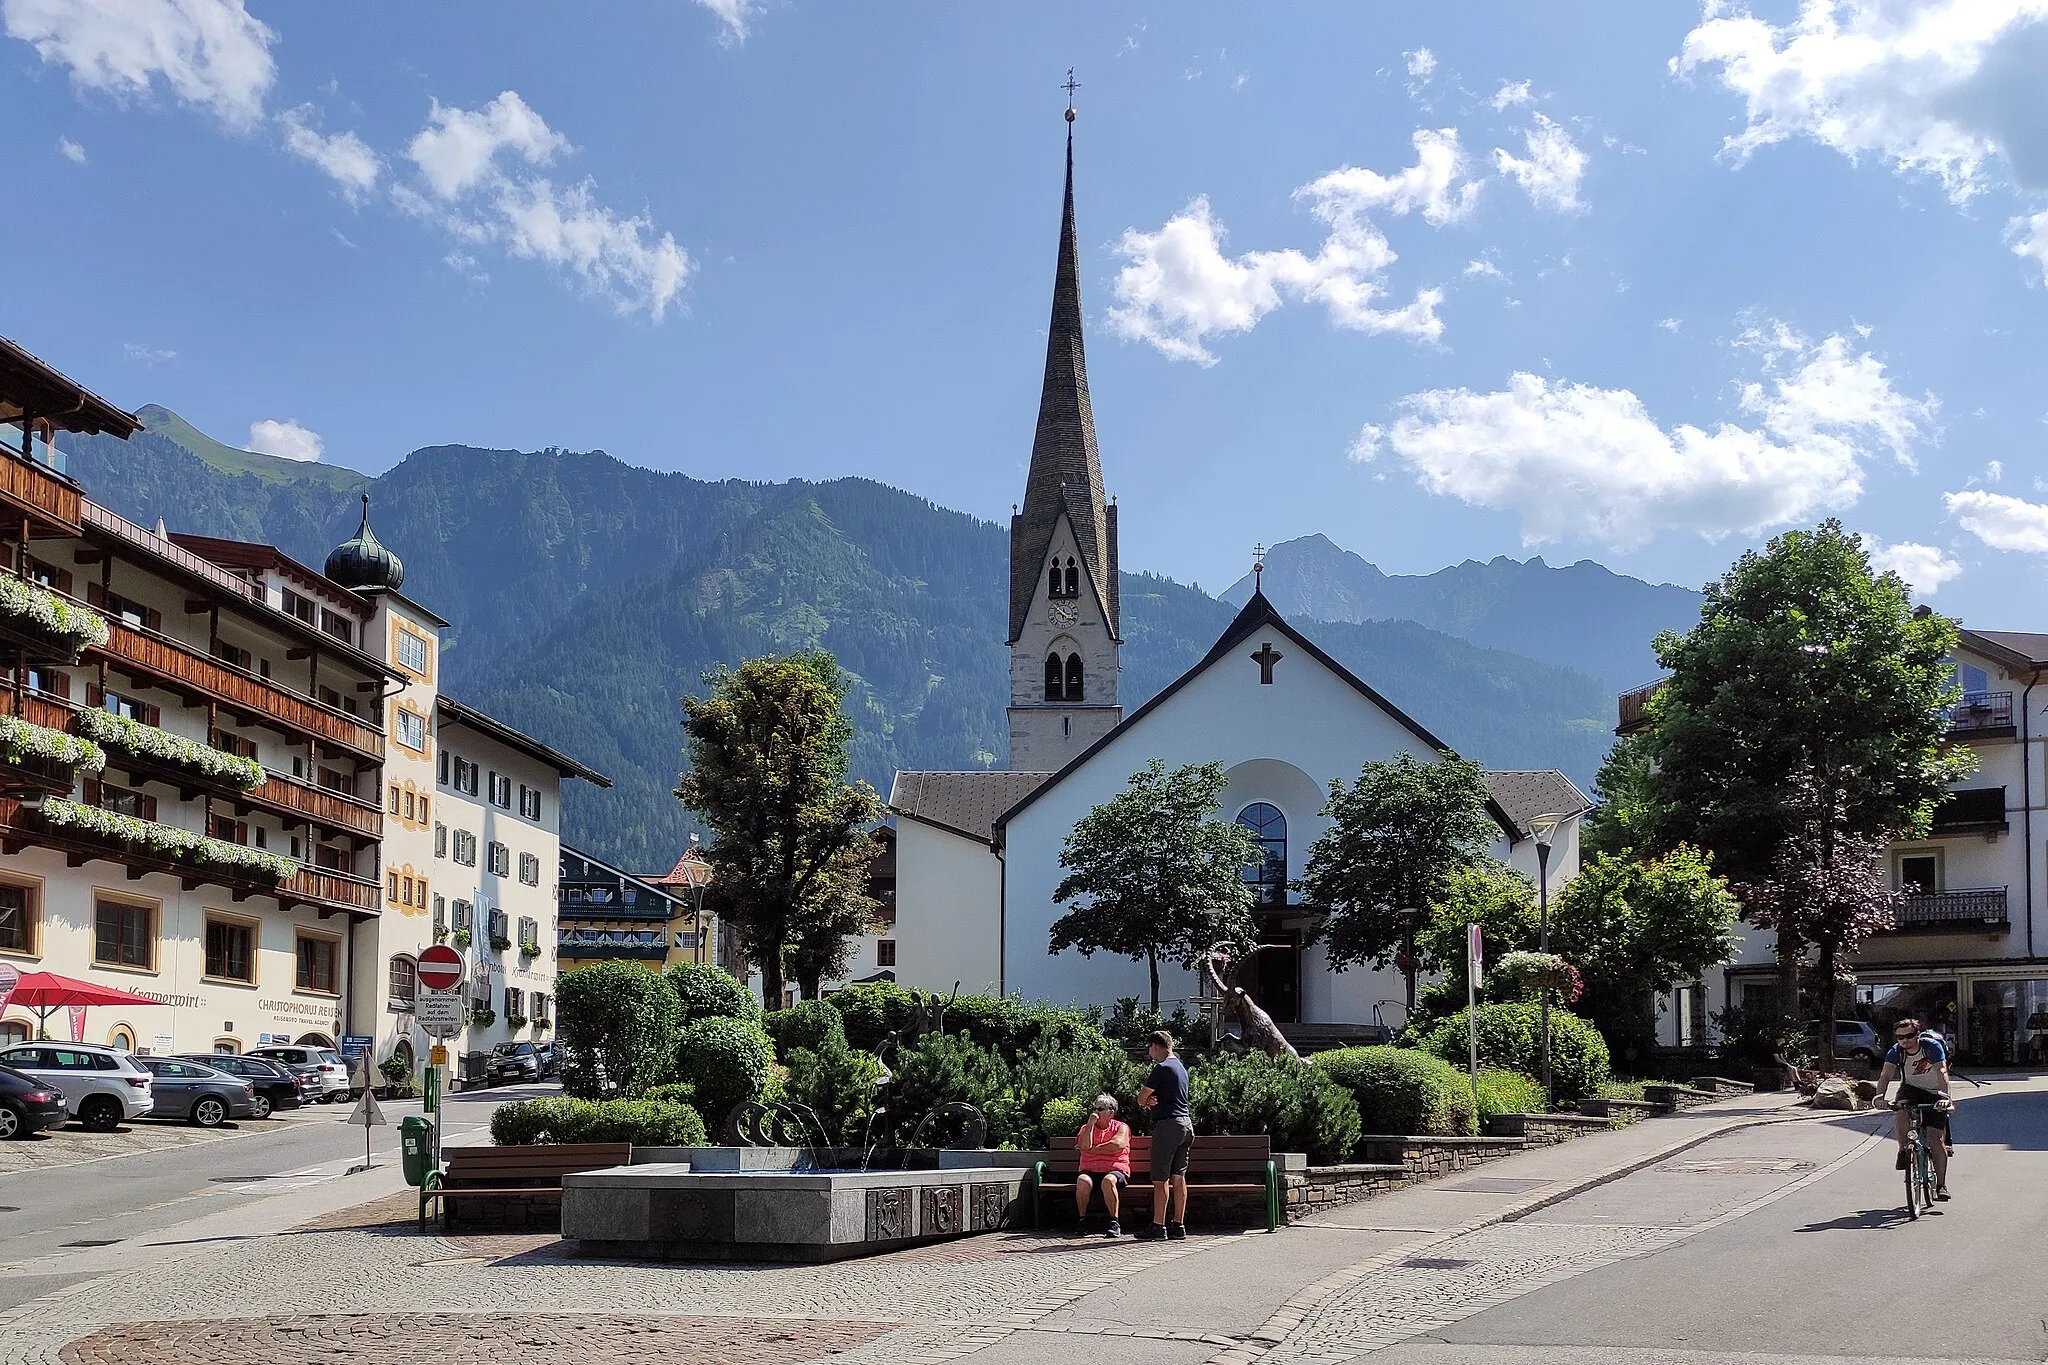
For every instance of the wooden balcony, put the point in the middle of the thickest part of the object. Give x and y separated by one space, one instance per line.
160 660
37 710
296 800
1633 708
1982 910
333 893
49 500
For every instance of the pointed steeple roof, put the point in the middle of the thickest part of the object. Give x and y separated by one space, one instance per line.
1066 470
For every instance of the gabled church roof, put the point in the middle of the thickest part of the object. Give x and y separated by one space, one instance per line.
1258 617
961 802
1066 470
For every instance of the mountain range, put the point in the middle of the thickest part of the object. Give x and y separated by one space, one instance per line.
589 595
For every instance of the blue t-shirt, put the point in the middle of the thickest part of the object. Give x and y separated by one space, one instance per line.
1919 1069
1169 1086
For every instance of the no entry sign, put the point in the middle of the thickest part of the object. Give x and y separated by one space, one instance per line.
440 968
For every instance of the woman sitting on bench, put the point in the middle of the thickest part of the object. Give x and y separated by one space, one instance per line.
1104 1143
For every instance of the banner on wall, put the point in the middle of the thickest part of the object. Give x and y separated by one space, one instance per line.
77 1013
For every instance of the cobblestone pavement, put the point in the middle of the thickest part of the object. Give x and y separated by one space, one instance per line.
450 1339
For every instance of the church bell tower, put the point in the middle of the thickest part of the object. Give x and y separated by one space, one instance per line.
1064 632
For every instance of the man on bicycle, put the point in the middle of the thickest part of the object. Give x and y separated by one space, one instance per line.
1920 1065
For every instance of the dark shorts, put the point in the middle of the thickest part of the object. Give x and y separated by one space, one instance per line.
1100 1177
1172 1139
1913 1094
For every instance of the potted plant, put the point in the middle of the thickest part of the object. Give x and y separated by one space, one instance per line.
499 943
398 1074
515 1022
462 940
529 948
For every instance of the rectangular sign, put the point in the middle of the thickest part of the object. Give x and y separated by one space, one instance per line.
440 1014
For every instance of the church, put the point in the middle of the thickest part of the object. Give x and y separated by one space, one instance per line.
977 852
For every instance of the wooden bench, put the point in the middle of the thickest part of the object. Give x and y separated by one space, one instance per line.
514 1172
1216 1165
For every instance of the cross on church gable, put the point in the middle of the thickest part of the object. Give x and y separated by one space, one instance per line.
1265 659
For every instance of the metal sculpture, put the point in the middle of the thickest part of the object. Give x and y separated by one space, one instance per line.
974 1130
760 1123
1254 1024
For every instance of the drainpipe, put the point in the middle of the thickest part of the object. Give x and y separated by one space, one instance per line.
2027 808
1003 916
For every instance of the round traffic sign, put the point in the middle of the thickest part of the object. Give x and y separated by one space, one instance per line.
440 967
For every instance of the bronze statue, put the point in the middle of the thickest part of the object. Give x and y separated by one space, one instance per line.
1254 1024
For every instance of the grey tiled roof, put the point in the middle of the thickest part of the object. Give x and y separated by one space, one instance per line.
965 802
2027 645
1526 795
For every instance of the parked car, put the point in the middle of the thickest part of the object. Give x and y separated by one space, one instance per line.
324 1063
28 1105
206 1097
1855 1040
512 1063
550 1060
102 1086
276 1085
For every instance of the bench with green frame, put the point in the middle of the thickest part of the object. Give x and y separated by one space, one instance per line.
514 1172
1222 1164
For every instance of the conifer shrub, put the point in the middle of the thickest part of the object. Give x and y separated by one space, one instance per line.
1402 1090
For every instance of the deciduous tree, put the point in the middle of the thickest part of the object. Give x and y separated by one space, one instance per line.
1151 874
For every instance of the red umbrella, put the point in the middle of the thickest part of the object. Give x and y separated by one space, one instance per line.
45 992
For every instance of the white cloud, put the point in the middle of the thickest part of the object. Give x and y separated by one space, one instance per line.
1421 63
146 355
210 53
2002 522
1574 460
474 166
2029 237
1553 169
1930 87
1178 286
1924 567
1485 267
71 151
1670 324
733 16
286 440
346 158
458 149
1510 92
1994 471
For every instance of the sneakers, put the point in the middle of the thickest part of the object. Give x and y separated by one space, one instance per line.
1080 1229
1115 1229
1941 1193
1151 1232
1904 1158
1176 1232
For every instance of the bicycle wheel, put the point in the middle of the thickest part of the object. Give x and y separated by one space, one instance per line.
1913 1177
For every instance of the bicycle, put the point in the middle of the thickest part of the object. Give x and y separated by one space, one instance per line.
1919 1174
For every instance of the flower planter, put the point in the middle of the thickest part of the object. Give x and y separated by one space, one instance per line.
172 755
43 759
169 843
51 628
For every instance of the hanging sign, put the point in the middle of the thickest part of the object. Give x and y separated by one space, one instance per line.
77 1013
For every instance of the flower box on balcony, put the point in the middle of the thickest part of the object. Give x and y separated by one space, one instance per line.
529 949
33 613
166 841
499 943
21 741
463 938
161 747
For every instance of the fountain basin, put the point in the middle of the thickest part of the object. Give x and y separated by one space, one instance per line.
678 1211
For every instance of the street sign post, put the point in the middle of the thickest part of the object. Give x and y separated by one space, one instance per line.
369 1115
1475 953
440 968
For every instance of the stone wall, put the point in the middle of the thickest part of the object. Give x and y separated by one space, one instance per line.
1546 1130
1676 1098
1429 1157
1325 1187
540 1211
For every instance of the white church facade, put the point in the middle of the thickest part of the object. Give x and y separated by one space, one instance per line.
977 854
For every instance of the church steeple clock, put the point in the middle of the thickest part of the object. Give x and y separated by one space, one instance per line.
1064 632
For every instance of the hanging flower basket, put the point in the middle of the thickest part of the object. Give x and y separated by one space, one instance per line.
1522 974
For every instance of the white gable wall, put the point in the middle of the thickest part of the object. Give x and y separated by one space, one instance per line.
949 891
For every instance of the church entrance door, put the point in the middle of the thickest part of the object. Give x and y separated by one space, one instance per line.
1276 974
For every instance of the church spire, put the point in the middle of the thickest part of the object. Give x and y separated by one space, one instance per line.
1066 470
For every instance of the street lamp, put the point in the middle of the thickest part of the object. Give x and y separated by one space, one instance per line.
1544 827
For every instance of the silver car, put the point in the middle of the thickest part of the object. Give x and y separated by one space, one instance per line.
188 1090
102 1086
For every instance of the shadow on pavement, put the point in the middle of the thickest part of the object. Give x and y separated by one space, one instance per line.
1870 1220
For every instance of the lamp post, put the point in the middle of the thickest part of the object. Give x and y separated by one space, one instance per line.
1544 827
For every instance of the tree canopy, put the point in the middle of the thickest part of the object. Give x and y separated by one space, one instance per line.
1397 836
1151 875
768 748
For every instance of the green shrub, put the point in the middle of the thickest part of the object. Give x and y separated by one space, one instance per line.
806 1024
1061 1119
726 1060
939 1069
1132 1023
563 1119
1510 1035
872 1011
1295 1104
1502 1091
673 1092
1622 1090
1402 1090
617 1024
1046 1073
705 991
835 1082
1013 1027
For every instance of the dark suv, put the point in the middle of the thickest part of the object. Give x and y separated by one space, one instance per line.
513 1063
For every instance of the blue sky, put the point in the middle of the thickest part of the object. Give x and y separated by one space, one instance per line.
1640 283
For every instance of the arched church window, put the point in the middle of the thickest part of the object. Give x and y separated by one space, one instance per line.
1054 580
1073 677
1073 578
1053 678
1268 876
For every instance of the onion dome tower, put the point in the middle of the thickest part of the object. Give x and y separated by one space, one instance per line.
365 563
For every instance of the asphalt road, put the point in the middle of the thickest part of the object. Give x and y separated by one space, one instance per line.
115 1199
1831 1268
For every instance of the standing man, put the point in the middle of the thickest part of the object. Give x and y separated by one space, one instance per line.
1165 1094
1105 1146
1921 1066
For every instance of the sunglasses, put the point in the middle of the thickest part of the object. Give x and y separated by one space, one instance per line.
1909 1034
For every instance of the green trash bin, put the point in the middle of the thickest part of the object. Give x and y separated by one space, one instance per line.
416 1148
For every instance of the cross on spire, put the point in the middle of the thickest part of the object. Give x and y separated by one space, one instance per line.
1070 85
1258 564
1265 659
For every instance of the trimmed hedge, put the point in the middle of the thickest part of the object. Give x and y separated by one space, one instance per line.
809 1024
872 1011
726 1061
1296 1105
561 1119
706 991
1511 1035
1402 1090
1502 1091
617 1026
